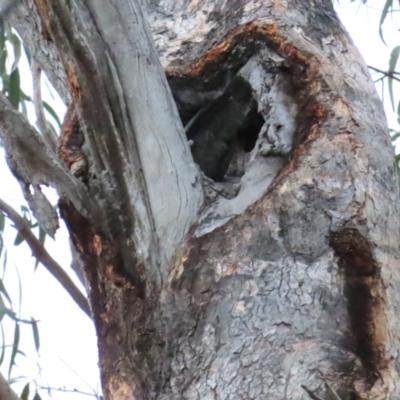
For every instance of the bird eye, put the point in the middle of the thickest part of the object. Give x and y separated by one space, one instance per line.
278 127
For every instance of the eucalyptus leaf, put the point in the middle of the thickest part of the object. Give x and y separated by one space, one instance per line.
14 90
4 291
3 71
14 347
37 396
16 43
35 332
388 5
395 136
3 308
3 345
2 221
25 392
7 29
51 111
18 239
394 57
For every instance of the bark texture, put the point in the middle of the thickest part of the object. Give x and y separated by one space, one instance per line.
6 392
290 288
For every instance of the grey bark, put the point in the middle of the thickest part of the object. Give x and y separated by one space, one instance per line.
49 135
6 392
25 19
290 288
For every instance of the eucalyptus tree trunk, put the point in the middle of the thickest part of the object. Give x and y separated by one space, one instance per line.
288 290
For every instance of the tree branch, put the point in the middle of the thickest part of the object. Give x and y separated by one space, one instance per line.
6 392
48 134
33 162
332 390
44 257
311 393
389 74
63 390
170 178
119 86
25 19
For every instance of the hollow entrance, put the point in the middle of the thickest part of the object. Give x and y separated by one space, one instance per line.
225 130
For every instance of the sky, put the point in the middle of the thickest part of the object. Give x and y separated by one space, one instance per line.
362 23
68 353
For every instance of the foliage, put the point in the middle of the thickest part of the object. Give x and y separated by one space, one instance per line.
389 76
13 326
10 351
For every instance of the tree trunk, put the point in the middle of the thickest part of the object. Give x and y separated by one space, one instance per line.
290 290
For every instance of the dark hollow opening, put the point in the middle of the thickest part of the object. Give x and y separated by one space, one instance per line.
222 123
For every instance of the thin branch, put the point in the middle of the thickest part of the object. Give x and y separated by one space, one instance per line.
33 162
311 393
44 257
389 74
332 390
381 71
48 134
49 389
6 393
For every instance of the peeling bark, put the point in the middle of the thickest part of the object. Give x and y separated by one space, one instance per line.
291 287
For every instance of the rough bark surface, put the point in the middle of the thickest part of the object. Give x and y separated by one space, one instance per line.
289 288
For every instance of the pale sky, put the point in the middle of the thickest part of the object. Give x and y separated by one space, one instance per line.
68 352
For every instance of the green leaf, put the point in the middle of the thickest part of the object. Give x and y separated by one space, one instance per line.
18 239
14 347
4 291
7 29
3 72
24 209
14 90
2 221
42 239
2 36
35 331
16 379
25 392
42 236
26 215
22 353
394 57
398 111
3 309
51 111
16 43
24 96
395 136
385 10
3 346
37 396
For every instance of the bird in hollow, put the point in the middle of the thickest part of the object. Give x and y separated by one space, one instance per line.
213 131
